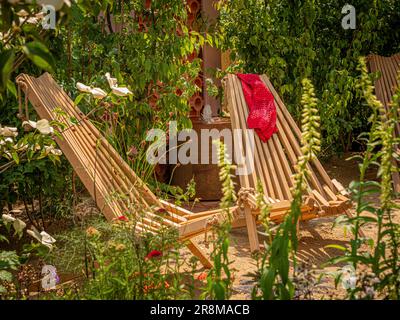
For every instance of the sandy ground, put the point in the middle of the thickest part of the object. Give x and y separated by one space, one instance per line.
315 236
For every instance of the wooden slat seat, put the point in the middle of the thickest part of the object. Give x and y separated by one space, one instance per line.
274 164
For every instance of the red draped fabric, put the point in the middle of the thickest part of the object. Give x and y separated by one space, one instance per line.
261 104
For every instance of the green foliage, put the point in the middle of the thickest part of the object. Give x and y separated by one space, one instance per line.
151 59
30 169
9 260
290 40
119 263
219 281
378 267
23 38
12 260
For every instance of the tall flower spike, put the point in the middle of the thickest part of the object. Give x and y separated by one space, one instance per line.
310 122
226 178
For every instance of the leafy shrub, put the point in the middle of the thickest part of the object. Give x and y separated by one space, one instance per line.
290 40
157 63
120 263
376 262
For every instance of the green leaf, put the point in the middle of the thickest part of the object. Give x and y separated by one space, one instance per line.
15 157
40 55
5 276
3 289
79 98
11 87
6 63
336 246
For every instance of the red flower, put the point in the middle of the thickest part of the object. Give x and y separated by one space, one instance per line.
154 254
123 218
132 153
178 92
161 210
202 276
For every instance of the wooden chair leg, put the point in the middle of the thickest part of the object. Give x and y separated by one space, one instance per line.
199 253
251 229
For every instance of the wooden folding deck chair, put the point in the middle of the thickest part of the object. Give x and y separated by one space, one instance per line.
385 86
274 166
114 186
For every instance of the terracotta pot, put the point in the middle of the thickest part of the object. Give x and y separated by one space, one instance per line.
191 19
194 6
197 101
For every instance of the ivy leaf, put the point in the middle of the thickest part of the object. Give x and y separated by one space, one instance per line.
40 55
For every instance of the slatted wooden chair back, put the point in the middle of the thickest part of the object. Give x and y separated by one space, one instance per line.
275 160
387 82
385 86
114 186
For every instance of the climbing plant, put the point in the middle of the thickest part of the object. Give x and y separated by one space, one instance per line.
148 47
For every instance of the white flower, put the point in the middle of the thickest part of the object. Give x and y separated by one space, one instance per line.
32 20
52 150
8 131
112 82
47 239
42 125
349 277
98 93
4 141
40 15
122 92
43 237
22 13
19 225
35 234
8 218
29 123
83 88
118 91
